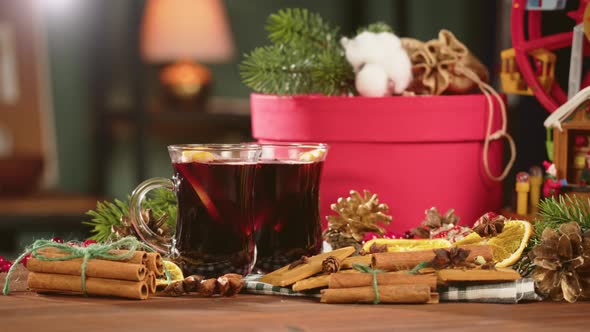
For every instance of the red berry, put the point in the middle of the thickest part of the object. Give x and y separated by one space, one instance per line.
57 239
25 260
88 242
2 259
5 266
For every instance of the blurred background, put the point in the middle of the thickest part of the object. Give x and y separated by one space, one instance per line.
91 92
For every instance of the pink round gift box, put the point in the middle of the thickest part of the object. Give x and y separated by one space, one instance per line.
415 152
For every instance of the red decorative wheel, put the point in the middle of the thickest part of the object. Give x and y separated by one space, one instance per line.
537 74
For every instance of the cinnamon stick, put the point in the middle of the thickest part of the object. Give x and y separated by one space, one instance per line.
395 261
155 263
94 268
348 280
434 298
459 275
138 257
318 281
311 283
349 261
46 282
419 293
151 282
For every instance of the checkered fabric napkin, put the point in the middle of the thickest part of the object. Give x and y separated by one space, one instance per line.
253 286
507 292
522 290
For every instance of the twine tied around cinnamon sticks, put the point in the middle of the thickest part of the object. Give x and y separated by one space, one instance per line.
96 250
366 269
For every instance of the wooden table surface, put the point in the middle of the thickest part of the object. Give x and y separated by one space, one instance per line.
32 312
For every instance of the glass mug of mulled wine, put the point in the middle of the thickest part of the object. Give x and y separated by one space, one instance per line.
213 184
286 203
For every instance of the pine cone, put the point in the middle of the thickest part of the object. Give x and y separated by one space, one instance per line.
156 225
357 215
337 239
563 263
331 265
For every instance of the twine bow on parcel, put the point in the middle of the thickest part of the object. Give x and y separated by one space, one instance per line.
95 250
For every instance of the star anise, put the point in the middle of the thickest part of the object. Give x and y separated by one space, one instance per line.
489 225
300 261
454 257
563 263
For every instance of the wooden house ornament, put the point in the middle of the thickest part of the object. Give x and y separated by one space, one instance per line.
571 138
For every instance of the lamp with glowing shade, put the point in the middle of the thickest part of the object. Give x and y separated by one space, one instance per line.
183 32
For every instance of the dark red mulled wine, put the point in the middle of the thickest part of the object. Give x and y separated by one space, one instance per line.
286 209
214 230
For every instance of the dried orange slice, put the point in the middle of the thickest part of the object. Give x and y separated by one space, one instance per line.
507 247
472 238
397 245
175 274
198 156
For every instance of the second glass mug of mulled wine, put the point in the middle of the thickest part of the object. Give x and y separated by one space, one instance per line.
213 184
286 203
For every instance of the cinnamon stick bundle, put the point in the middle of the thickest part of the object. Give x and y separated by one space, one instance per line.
94 268
419 293
396 261
348 280
52 283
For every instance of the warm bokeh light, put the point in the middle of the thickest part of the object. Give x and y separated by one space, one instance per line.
186 29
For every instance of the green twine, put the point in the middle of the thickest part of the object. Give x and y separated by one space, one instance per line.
95 250
366 269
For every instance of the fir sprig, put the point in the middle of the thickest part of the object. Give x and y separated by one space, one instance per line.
104 217
300 25
109 214
304 57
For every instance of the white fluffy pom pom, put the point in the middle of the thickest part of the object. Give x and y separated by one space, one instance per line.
372 81
375 55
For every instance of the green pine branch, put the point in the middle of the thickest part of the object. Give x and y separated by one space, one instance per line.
109 214
104 217
295 68
300 25
304 57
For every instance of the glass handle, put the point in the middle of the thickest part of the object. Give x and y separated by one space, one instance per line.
152 239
